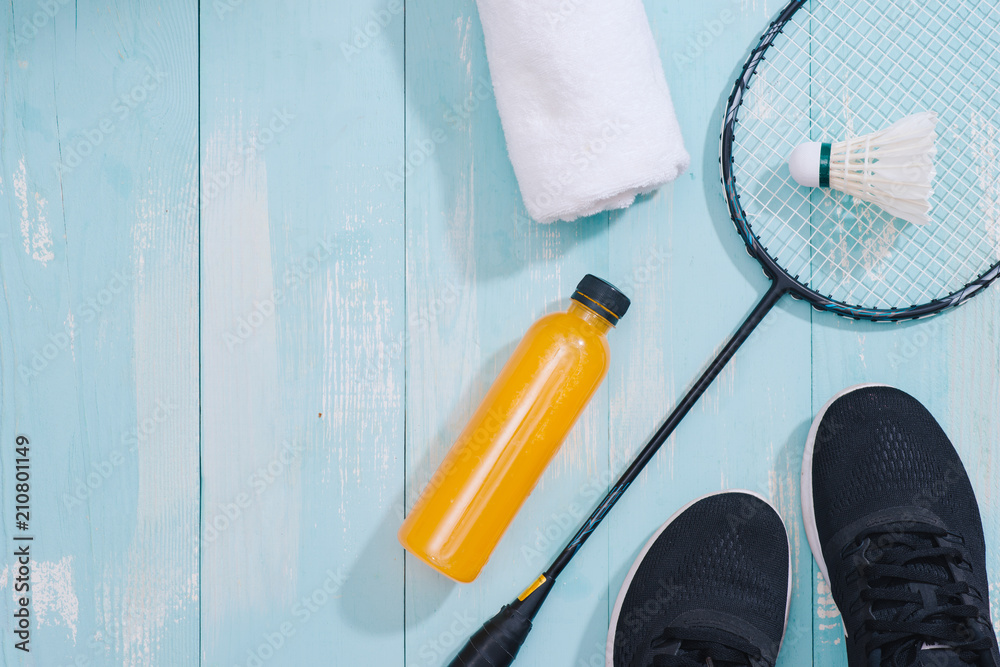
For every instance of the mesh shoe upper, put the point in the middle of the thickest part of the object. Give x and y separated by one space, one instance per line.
900 534
714 581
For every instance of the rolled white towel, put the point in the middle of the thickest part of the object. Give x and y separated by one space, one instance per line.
584 104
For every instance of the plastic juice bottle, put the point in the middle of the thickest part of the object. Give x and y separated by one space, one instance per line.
517 429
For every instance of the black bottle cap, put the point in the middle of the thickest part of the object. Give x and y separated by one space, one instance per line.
602 297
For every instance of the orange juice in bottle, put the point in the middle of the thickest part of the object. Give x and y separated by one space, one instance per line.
517 429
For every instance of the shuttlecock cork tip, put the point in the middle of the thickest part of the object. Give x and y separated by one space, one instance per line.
804 164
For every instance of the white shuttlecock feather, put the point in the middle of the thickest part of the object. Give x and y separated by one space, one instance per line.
892 168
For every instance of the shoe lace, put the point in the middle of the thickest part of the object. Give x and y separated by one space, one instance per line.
915 601
701 647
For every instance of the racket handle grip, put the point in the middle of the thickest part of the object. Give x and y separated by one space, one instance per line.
496 643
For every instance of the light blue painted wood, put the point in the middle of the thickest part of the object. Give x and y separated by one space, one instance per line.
405 275
302 311
98 329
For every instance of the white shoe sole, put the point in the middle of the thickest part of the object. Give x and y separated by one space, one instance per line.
610 646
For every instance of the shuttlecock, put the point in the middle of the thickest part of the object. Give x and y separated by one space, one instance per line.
892 168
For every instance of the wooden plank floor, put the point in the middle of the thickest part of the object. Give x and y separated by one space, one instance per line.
259 263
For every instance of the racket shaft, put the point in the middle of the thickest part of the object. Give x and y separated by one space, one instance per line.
756 316
497 642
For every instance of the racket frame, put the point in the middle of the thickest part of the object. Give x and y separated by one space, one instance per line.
753 243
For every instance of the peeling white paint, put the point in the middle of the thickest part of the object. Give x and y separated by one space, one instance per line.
995 603
825 606
41 238
53 598
137 604
21 194
36 236
984 141
69 324
251 562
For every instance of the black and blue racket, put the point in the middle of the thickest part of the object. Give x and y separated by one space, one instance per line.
825 71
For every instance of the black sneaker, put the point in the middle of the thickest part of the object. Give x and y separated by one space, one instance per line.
711 587
893 523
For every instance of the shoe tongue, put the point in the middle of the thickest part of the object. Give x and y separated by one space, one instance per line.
697 639
938 656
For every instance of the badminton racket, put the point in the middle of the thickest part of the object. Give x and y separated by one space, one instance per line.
825 71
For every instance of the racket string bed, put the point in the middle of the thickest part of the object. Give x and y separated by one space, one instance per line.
843 248
926 35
